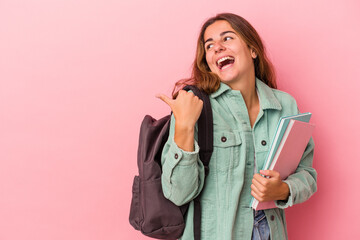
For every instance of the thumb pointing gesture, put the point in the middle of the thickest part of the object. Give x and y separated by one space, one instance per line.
165 99
186 107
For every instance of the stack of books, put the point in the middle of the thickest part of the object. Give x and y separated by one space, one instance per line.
291 138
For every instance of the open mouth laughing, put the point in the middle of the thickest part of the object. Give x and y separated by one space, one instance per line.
225 62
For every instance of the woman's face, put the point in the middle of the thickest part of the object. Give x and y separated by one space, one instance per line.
227 54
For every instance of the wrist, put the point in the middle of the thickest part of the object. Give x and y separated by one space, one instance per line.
184 127
285 191
184 136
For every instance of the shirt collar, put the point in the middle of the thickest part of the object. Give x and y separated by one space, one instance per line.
266 95
223 88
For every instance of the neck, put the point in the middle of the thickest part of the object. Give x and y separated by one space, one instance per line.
248 91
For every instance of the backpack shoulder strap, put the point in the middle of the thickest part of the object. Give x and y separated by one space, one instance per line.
205 140
205 127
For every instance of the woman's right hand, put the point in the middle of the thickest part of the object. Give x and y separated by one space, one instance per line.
186 109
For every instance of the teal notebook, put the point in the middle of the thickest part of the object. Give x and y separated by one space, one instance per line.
279 133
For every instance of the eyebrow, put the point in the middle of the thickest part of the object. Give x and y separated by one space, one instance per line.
221 34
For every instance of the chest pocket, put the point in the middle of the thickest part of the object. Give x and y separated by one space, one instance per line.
227 150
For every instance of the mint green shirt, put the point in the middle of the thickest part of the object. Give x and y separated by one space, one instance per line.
225 194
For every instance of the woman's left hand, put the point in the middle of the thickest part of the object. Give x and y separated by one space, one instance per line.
269 189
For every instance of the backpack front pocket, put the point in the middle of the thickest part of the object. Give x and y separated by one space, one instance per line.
162 218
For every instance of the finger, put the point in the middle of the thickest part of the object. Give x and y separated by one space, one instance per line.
270 173
182 92
259 195
255 189
165 99
256 196
258 185
262 180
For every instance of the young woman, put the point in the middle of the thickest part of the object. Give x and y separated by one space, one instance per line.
232 67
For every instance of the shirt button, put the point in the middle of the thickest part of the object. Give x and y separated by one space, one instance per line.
272 218
223 139
176 156
263 142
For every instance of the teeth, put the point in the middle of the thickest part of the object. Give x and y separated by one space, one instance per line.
223 59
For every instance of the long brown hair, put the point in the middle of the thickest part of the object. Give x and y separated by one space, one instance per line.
202 76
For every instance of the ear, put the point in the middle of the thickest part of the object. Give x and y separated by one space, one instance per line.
253 53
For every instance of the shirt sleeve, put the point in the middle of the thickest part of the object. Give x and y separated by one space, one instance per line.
183 173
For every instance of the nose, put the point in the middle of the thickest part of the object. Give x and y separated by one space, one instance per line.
218 47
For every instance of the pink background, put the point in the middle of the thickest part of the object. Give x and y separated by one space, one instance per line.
76 78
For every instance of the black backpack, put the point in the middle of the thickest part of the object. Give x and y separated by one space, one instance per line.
150 212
